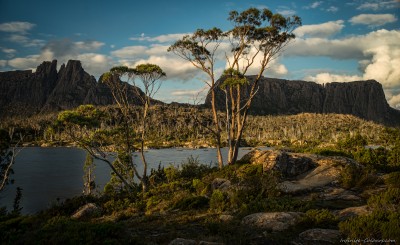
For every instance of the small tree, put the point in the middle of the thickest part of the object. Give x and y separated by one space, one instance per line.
150 76
200 49
88 176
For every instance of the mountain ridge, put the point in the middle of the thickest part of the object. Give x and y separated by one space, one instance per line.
27 93
364 99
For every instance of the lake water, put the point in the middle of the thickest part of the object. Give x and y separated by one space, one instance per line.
48 174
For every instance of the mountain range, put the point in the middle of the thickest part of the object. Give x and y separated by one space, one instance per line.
26 93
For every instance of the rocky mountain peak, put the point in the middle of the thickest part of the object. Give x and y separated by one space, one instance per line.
47 68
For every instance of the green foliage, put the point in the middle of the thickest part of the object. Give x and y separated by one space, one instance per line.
322 218
350 176
63 230
353 143
116 185
199 186
149 70
382 223
192 168
392 180
84 115
172 173
157 176
116 204
192 203
378 225
330 152
219 201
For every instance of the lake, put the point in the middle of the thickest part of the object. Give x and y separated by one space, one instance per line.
48 174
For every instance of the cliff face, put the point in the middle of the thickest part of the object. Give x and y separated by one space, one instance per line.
25 93
364 99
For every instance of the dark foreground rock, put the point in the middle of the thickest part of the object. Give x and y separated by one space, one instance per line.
319 236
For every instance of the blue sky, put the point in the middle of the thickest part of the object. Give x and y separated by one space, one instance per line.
339 40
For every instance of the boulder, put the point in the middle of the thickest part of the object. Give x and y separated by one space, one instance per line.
220 184
352 211
289 165
274 221
87 211
328 171
226 217
319 236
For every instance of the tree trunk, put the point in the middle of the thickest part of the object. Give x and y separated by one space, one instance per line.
217 128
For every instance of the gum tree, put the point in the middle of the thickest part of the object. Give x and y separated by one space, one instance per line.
256 38
125 96
200 49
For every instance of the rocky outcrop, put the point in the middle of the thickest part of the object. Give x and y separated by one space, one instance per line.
87 211
350 212
364 99
288 165
303 172
25 93
274 221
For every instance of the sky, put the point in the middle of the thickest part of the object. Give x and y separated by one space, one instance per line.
339 41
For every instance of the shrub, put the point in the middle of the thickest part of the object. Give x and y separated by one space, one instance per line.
192 168
171 173
382 223
392 180
322 218
219 201
193 202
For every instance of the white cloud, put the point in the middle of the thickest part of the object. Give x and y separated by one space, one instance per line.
89 45
329 78
161 39
394 101
314 5
10 53
332 9
130 52
93 63
175 67
373 20
8 50
27 63
378 53
285 11
16 26
64 50
378 5
3 63
25 41
320 30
